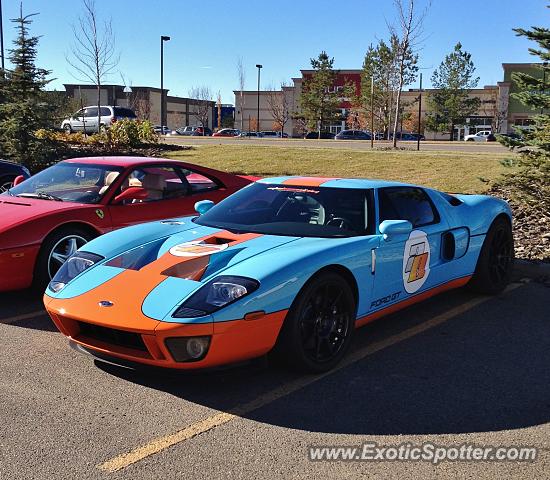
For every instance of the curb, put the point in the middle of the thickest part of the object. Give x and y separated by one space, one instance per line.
531 268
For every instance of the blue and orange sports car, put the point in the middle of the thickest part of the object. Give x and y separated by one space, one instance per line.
289 264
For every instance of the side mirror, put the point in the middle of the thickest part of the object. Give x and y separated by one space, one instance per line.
19 179
131 193
203 206
394 228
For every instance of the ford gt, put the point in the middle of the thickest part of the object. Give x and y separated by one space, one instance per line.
288 265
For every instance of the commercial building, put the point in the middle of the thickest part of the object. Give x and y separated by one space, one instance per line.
497 110
145 101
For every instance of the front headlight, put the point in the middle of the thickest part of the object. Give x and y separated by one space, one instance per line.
216 294
74 266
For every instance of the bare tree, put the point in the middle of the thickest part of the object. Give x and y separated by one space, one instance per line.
93 55
242 78
279 107
203 103
495 107
407 32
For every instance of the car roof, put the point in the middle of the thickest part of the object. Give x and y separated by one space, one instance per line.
120 161
359 183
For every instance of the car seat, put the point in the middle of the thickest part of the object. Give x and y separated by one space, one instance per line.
109 179
155 184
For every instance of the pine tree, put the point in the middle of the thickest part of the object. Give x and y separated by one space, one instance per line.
532 182
451 103
319 100
24 108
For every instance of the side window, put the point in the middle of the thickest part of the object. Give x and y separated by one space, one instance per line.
105 112
406 203
198 182
161 183
91 112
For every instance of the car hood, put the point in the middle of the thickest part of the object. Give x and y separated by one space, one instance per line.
17 210
165 271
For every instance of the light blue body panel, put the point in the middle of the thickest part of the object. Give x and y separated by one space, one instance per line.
385 272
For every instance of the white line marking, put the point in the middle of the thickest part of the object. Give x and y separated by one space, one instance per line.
157 445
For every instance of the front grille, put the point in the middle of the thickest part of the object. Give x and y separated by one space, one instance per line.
112 336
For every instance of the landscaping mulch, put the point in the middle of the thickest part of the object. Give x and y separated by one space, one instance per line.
531 224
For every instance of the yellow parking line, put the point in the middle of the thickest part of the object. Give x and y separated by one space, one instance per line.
155 446
24 316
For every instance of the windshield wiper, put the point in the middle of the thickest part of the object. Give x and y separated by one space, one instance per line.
39 194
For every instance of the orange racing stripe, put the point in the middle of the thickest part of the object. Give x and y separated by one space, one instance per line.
308 181
457 283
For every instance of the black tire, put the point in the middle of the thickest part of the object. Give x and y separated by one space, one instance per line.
6 183
470 140
44 268
496 259
319 326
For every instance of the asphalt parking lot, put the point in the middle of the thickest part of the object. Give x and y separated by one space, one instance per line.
457 368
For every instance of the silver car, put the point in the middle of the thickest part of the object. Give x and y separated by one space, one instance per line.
85 120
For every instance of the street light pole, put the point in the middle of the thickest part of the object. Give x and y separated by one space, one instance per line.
419 112
259 67
1 36
372 112
163 38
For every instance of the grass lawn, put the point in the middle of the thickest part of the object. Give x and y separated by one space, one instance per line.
444 170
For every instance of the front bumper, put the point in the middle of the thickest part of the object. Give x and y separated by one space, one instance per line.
231 342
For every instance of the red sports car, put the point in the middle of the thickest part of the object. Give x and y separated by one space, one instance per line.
46 218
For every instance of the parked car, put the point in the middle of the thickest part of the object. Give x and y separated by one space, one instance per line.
404 136
193 131
251 134
512 135
271 134
324 135
290 264
479 136
86 118
227 132
164 130
353 135
9 171
44 219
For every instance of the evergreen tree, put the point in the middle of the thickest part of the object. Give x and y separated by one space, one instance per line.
319 101
450 103
24 108
532 182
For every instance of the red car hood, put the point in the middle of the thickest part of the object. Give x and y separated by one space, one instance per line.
17 210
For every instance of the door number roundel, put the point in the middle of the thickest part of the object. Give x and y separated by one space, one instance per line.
416 261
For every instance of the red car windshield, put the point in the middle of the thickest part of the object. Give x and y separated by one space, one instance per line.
69 182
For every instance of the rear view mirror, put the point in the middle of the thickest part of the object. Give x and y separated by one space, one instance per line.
19 179
391 229
203 206
131 193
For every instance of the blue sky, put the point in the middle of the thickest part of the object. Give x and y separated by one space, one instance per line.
209 36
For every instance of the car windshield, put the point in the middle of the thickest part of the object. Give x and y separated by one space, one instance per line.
69 182
292 211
